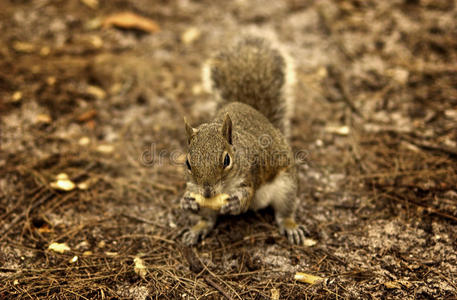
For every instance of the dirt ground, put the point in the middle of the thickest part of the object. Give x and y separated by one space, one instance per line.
375 127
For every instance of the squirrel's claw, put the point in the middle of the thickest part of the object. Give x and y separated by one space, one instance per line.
189 203
190 237
294 233
233 206
200 230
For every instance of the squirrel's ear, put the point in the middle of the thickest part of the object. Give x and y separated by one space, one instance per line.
227 129
190 130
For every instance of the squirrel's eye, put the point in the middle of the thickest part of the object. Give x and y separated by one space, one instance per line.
188 165
226 160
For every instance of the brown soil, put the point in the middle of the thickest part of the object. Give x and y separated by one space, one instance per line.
375 125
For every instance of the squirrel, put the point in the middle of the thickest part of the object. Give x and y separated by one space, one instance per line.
244 151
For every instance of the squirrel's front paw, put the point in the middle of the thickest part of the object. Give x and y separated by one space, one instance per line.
189 203
233 206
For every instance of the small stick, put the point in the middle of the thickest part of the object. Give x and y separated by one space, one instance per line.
430 146
218 287
24 214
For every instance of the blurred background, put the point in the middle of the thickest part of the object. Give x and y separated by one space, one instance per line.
92 99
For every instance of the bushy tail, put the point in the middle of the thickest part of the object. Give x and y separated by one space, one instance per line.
254 72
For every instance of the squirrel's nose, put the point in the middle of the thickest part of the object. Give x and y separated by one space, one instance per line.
207 192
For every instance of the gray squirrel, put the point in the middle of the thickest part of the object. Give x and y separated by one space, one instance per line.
244 150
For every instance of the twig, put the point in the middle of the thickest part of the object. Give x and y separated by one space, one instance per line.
218 287
429 209
215 276
24 214
142 220
429 146
340 83
164 187
37 191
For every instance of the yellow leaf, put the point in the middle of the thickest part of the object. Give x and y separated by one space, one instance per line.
105 148
274 294
309 242
90 3
190 35
392 285
140 268
24 47
59 247
43 118
63 183
130 20
307 278
17 96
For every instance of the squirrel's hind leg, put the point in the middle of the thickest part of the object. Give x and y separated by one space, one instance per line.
294 232
284 203
200 230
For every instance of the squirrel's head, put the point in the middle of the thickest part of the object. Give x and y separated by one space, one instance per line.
210 159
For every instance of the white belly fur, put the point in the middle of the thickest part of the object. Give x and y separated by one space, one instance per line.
275 190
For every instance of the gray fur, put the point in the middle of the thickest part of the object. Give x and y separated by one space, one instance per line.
251 126
258 74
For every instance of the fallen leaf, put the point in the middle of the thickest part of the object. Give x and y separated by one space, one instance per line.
274 294
321 73
309 242
83 186
96 91
104 148
307 278
63 183
84 141
59 247
45 51
86 116
399 75
62 176
130 20
197 89
90 3
451 113
44 229
87 183
392 285
73 259
341 130
140 268
51 80
43 118
190 35
23 47
17 96
397 284
93 24
96 41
